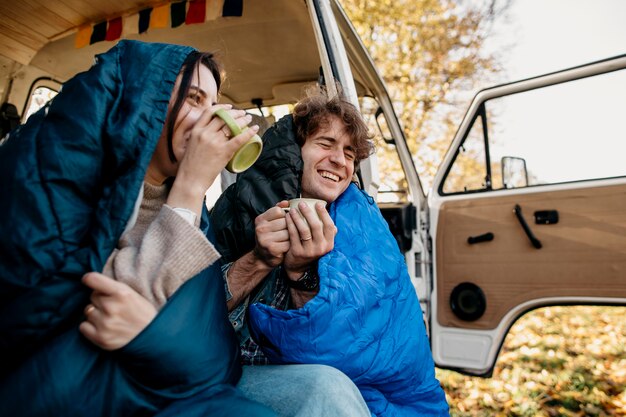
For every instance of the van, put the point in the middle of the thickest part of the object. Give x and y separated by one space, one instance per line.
528 208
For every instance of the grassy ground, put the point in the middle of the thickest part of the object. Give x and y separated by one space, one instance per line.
556 361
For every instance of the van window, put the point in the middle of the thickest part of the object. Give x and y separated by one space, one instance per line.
39 97
557 134
469 171
393 186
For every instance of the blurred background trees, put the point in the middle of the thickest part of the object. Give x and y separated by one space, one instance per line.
556 361
431 56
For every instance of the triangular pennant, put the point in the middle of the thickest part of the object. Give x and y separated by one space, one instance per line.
130 25
115 29
144 19
214 9
99 32
160 16
232 8
196 12
83 36
178 10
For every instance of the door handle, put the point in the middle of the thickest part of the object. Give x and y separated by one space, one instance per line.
485 237
547 217
533 239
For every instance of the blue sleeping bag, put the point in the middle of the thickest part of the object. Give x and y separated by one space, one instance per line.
366 320
69 179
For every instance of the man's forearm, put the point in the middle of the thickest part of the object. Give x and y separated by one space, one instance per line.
300 298
303 286
243 276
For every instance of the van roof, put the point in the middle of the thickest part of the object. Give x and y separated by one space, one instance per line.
271 59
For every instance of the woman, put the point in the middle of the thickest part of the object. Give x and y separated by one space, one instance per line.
163 247
71 180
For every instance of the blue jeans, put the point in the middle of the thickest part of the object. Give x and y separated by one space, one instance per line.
303 390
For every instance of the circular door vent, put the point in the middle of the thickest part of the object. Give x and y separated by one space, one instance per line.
468 302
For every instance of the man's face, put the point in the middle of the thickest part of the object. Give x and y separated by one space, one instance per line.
328 158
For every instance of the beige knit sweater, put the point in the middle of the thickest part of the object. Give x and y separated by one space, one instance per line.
161 251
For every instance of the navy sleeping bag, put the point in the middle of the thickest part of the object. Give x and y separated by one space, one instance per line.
69 179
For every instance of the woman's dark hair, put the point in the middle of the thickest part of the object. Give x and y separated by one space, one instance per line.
314 112
193 61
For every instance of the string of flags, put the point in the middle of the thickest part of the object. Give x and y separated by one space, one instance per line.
172 14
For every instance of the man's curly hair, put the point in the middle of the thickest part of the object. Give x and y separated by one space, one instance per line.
314 111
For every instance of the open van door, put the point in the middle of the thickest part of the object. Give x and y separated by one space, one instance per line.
529 209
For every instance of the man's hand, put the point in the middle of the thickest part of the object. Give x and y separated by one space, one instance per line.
272 242
272 236
117 313
309 240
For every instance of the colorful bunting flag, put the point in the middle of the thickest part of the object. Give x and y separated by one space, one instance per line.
232 8
214 9
114 30
131 25
175 14
178 10
196 12
160 16
99 32
83 36
144 19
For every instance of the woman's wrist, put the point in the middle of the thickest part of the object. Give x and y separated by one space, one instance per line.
185 194
194 181
188 215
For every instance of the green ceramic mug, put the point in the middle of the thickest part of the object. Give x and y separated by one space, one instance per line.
245 156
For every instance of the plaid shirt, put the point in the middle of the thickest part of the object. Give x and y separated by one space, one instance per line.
273 292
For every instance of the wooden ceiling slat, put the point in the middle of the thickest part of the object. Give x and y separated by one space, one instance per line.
115 6
90 10
15 31
61 9
96 10
49 11
27 25
33 18
15 50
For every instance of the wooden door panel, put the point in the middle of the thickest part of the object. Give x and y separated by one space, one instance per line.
583 255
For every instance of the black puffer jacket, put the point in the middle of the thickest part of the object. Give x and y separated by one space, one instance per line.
274 177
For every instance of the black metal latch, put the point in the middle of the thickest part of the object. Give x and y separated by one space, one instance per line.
533 239
546 217
485 237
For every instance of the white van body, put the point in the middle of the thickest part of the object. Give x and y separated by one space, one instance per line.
471 293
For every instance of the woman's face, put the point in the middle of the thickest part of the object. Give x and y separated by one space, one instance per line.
202 95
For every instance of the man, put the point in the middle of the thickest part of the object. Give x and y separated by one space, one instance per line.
315 292
317 390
